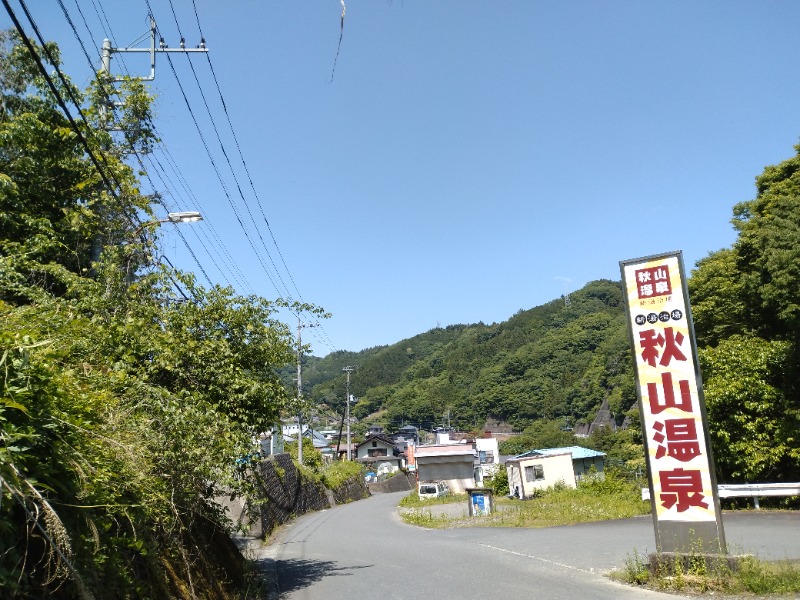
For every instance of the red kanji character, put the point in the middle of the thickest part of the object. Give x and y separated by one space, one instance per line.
681 487
670 344
656 406
649 342
681 437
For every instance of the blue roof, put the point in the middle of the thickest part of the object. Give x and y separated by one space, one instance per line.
576 451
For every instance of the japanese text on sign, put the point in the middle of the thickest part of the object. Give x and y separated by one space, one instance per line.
671 415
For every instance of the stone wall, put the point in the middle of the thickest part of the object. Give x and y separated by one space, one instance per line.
286 493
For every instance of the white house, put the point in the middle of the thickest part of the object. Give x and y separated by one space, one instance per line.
585 461
488 458
532 471
378 450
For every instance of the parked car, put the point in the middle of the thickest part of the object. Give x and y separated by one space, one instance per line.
433 489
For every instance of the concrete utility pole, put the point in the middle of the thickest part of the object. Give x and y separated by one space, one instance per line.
300 326
107 50
348 370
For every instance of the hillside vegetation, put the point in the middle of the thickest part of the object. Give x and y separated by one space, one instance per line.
551 362
552 366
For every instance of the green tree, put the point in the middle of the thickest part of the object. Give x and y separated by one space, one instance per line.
754 424
121 410
768 250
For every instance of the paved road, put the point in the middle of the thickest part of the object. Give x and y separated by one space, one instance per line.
363 549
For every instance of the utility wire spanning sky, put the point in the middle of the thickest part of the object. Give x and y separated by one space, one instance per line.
452 161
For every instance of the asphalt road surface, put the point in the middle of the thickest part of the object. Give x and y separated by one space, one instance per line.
363 550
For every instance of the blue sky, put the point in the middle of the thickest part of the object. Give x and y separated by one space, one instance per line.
465 159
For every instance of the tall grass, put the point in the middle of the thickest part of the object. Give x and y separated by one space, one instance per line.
595 499
698 575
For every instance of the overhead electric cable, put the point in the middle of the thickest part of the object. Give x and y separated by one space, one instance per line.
241 156
219 177
230 165
327 340
63 105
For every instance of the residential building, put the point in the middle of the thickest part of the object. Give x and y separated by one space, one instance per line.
532 471
379 451
585 461
488 458
539 469
452 463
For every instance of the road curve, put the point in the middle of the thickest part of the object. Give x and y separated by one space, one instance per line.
363 549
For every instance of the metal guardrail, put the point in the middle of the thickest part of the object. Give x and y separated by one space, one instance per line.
745 490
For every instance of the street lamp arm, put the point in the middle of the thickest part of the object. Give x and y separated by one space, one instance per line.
188 216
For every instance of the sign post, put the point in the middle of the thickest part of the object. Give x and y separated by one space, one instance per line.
680 467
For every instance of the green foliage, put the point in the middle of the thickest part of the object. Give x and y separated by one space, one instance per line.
747 316
498 483
311 456
755 423
540 434
695 573
616 497
546 363
121 411
339 472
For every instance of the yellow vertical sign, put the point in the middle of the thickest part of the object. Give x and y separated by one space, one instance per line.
680 465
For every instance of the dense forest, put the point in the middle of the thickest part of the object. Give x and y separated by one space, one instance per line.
556 361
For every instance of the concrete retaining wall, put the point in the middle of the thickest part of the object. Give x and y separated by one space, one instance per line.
399 483
286 493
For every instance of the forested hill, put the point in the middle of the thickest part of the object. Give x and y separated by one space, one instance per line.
557 360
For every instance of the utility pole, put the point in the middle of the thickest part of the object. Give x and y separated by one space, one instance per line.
107 50
105 54
348 370
300 326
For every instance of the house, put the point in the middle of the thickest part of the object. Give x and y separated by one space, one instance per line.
340 448
317 438
452 463
378 450
488 458
533 471
585 462
407 433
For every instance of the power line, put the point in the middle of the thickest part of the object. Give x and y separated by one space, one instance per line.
61 102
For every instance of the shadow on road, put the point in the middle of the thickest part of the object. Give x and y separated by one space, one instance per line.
294 574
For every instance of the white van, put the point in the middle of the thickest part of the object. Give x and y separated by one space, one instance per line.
433 489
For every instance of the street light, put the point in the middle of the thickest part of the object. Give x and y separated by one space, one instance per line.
187 216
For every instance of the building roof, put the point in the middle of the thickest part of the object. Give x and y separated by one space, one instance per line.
577 452
373 437
444 450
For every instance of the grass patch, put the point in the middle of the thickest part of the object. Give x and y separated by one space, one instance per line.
752 576
413 500
339 472
593 500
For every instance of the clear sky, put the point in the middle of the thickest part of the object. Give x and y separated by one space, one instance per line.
464 160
